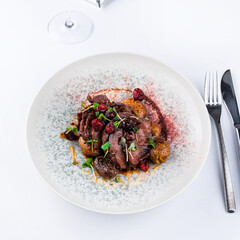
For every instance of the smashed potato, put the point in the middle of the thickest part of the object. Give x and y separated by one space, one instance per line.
137 107
160 153
156 130
87 148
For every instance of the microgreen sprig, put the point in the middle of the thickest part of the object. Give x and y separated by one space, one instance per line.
116 180
103 116
88 163
94 106
106 146
73 129
117 113
92 141
151 142
135 129
110 110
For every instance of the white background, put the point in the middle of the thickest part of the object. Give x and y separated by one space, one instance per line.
190 36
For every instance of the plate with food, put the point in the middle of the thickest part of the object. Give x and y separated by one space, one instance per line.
118 133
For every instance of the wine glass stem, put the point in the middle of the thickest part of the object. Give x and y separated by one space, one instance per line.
69 23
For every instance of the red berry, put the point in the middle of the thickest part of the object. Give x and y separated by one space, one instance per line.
98 124
101 108
144 165
138 94
110 128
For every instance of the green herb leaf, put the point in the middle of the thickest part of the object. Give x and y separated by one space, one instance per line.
105 146
116 180
103 116
115 118
123 139
135 129
93 140
84 165
68 129
97 114
117 114
133 146
146 118
83 104
75 130
116 124
151 142
110 109
89 161
94 106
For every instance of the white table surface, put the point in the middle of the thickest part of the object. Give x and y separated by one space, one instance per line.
190 36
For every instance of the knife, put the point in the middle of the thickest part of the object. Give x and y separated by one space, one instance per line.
230 99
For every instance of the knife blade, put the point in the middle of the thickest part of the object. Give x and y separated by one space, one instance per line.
230 99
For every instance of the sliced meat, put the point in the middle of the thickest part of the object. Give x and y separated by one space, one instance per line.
137 107
105 137
141 143
116 153
82 123
120 107
88 126
105 167
96 135
101 99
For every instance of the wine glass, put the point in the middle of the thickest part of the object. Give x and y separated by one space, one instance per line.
70 27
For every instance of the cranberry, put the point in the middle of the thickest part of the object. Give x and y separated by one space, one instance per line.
110 128
144 165
138 94
127 124
98 124
101 108
110 114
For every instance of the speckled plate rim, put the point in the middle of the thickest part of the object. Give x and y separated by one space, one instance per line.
205 119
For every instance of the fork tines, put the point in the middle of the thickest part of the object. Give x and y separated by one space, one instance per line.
212 89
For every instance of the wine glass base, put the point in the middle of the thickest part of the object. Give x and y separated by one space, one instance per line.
70 27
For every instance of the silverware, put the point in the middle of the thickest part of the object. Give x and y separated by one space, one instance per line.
98 2
213 103
231 101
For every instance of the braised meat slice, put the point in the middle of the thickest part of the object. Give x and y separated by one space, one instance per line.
82 122
116 153
120 108
105 167
87 127
105 137
96 135
101 99
141 143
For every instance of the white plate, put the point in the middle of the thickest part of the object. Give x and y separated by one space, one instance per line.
58 101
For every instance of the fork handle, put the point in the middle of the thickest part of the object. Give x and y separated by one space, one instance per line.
228 187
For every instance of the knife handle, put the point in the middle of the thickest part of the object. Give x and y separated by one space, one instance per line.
238 138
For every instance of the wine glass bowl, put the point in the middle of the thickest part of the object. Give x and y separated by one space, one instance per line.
70 27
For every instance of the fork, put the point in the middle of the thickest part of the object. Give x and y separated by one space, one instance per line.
213 101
